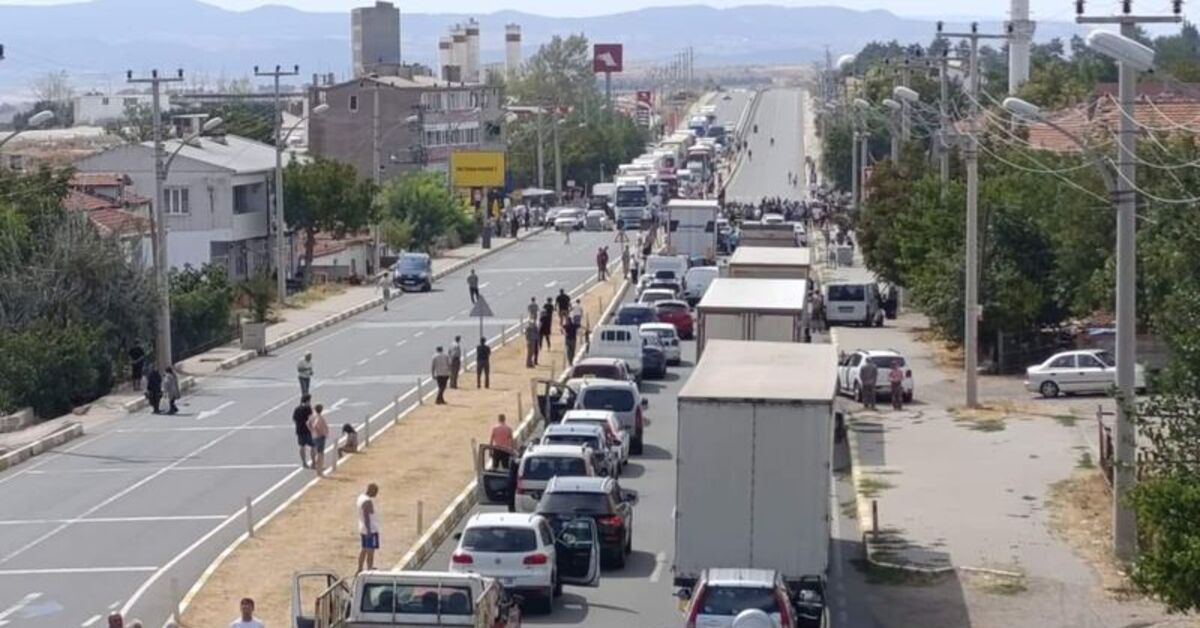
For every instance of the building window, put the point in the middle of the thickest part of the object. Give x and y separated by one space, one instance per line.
246 198
354 103
175 201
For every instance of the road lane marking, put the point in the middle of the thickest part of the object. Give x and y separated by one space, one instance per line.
215 428
551 284
362 361
419 334
381 352
401 343
484 285
71 571
217 467
341 372
91 620
12 610
660 559
337 405
165 518
214 412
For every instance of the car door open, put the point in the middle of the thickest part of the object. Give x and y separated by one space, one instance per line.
577 546
492 476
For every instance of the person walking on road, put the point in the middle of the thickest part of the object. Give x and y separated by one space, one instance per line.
602 264
625 261
513 467
440 368
546 323
116 620
154 390
320 433
896 379
577 313
567 238
473 286
304 372
501 437
247 618
304 440
483 363
387 295
634 267
532 343
368 527
170 386
456 356
562 303
570 331
868 376
533 308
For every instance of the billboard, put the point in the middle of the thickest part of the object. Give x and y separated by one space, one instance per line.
477 169
608 58
645 96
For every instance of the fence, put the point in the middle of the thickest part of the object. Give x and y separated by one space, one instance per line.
1015 352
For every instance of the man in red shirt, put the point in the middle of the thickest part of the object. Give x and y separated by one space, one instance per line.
502 438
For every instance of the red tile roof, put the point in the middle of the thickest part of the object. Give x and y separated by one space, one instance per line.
108 217
99 179
1161 114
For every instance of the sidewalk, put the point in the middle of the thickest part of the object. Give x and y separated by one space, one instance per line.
16 447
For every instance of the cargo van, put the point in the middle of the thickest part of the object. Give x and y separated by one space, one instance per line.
856 303
619 341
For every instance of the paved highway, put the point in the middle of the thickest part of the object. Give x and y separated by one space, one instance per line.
777 115
111 520
729 112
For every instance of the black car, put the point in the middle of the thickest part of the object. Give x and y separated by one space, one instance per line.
567 498
413 272
654 360
636 314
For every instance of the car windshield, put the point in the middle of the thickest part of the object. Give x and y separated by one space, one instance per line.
613 399
546 467
664 333
885 361
628 315
603 371
1105 358
572 439
499 539
631 197
664 274
856 293
581 503
411 262
603 424
729 601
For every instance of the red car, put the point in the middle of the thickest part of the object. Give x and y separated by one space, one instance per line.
678 314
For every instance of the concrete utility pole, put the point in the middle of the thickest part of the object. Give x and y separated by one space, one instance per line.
1018 48
558 180
158 226
1124 467
281 257
541 162
377 169
971 310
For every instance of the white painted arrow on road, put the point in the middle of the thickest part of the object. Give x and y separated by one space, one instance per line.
12 610
337 405
214 412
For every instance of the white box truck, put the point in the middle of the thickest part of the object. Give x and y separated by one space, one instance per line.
769 262
760 234
772 310
752 471
692 228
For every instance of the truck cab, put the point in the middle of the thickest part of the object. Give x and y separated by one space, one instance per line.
630 205
400 599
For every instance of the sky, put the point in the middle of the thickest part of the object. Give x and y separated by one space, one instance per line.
1041 9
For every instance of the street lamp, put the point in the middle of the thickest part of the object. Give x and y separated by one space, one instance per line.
906 94
208 126
38 119
1122 49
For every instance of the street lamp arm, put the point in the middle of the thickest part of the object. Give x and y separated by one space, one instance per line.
9 137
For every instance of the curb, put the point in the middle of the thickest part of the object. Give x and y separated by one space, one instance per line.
42 445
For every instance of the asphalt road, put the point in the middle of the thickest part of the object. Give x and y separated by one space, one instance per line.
113 519
729 112
765 174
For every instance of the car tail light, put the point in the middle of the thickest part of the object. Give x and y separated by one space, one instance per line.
785 610
462 558
536 559
614 521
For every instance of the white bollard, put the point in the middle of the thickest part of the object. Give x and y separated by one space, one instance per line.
250 517
367 432
420 517
420 400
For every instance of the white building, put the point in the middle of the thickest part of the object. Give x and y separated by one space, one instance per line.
101 109
216 198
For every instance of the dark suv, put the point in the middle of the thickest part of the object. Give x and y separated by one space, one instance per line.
566 498
636 314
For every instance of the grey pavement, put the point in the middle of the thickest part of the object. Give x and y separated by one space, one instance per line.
115 518
779 115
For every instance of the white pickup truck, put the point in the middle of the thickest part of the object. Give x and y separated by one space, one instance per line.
400 599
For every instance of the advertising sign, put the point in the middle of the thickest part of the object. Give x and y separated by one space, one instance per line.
477 169
608 58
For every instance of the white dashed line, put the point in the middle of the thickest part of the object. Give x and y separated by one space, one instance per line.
91 620
381 352
401 343
362 361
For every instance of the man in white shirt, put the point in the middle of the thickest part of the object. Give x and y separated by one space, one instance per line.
368 527
247 620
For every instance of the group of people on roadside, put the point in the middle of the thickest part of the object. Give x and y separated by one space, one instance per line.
539 327
312 430
154 384
868 376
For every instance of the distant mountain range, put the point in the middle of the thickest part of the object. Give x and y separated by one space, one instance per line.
95 42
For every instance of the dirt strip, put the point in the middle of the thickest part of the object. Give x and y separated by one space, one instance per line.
426 457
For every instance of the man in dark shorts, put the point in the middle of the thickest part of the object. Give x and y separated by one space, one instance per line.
562 303
303 435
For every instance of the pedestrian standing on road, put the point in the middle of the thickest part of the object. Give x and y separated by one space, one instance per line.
440 368
473 286
154 390
532 308
483 363
625 261
634 267
368 528
304 440
456 355
137 364
502 438
304 372
567 230
513 466
387 295
868 376
532 343
115 620
546 323
896 379
247 618
171 388
562 303
570 331
320 432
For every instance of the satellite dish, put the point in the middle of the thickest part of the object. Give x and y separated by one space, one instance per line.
753 618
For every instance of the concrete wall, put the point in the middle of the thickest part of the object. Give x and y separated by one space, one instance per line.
99 109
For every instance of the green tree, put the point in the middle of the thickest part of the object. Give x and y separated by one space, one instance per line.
201 307
420 209
323 195
558 75
253 120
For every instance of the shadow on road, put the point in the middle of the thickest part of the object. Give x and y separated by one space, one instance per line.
654 452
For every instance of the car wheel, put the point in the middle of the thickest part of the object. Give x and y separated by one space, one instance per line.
1048 389
558 586
428 287
618 561
635 448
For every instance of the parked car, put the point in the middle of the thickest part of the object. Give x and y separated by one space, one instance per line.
569 219
412 272
857 303
849 380
652 296
601 368
517 549
678 314
668 337
607 420
619 341
654 356
566 498
635 314
723 594
596 220
1086 371
698 278
542 462
620 397
606 458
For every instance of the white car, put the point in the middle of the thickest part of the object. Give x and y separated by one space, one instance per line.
723 594
1087 371
517 549
622 398
596 220
668 337
849 368
607 420
653 295
542 462
606 456
567 218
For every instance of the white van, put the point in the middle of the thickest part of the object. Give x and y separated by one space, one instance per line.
675 263
697 280
619 341
856 303
542 462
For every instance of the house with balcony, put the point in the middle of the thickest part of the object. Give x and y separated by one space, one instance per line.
216 198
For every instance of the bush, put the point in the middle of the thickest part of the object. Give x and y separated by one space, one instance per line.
201 307
52 368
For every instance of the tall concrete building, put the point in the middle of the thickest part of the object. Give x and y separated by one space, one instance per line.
458 54
512 49
445 57
375 37
472 64
1018 46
